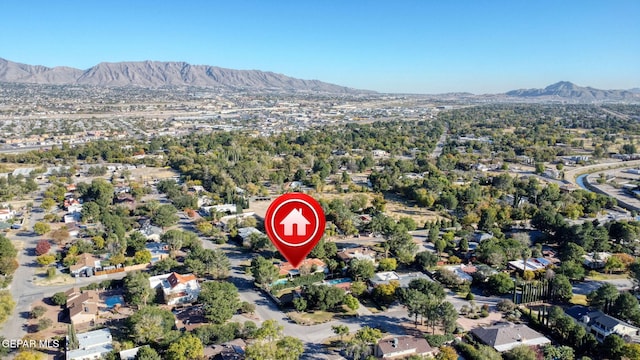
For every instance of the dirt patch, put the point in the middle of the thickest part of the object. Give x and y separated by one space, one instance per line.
468 324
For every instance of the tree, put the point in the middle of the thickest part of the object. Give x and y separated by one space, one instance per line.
561 289
614 346
47 204
425 260
263 271
447 353
361 269
147 353
142 257
340 330
323 297
150 324
603 296
46 259
522 352
137 288
388 264
500 283
41 228
447 315
165 216
558 353
220 300
60 235
42 247
572 269
626 307
90 212
59 298
136 241
351 302
187 347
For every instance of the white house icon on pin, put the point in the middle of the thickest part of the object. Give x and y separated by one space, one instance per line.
296 218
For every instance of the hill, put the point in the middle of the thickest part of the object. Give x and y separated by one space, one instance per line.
569 91
157 74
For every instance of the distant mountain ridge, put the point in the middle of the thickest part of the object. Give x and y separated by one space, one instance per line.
568 90
158 74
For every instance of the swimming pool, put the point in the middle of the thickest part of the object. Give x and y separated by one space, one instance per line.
279 282
337 281
112 301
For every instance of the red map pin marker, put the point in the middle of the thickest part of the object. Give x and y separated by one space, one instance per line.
294 223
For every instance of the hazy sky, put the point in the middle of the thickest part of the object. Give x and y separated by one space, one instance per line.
422 46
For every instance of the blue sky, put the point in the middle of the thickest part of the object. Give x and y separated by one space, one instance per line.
422 46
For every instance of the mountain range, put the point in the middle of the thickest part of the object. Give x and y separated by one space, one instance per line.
568 90
157 74
153 74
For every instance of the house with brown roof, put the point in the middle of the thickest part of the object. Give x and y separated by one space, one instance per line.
86 264
403 346
83 306
176 288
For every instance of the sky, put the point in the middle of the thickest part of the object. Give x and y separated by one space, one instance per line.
395 46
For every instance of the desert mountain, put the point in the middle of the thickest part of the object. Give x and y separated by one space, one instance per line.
157 74
567 90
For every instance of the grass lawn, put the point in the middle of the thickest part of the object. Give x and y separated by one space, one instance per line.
601 277
579 299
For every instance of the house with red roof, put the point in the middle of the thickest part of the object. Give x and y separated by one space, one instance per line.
176 288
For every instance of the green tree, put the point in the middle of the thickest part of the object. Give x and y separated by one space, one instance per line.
614 346
358 288
59 298
147 353
150 324
351 302
603 296
500 283
561 288
187 347
137 288
90 212
361 269
41 228
220 299
46 259
552 352
626 307
165 216
522 352
263 271
340 330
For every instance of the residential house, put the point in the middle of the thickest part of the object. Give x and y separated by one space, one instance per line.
83 306
463 272
232 350
311 265
91 345
176 288
86 265
595 260
245 234
158 251
127 200
403 346
533 264
360 253
384 277
73 205
505 336
151 232
6 214
602 325
225 208
129 354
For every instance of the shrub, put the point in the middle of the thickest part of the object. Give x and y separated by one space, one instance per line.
44 324
37 312
470 296
59 298
438 340
51 272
